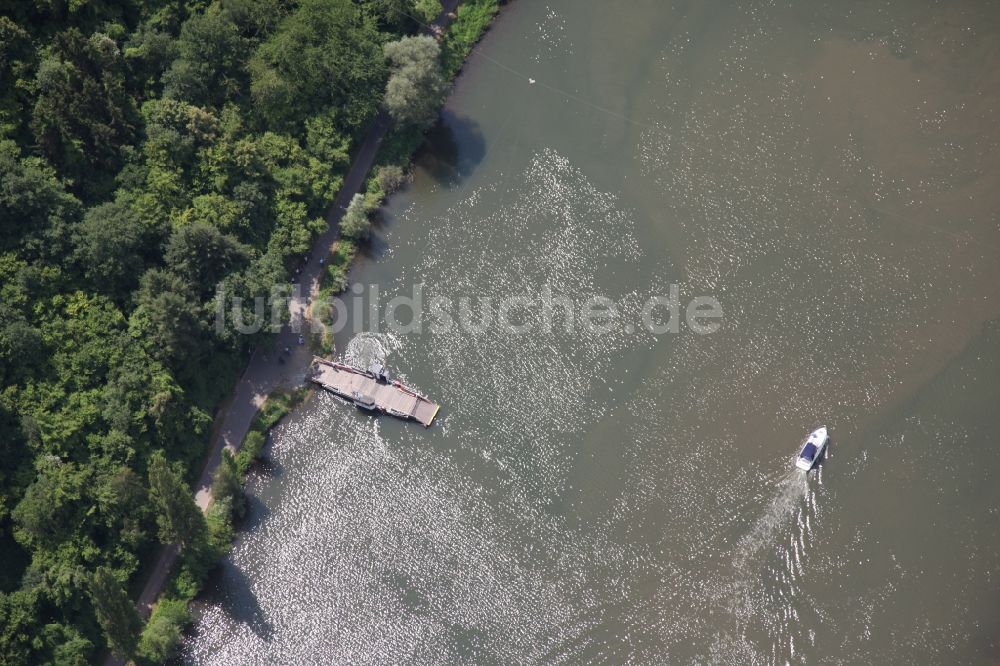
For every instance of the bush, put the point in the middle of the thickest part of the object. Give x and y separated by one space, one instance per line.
226 484
355 225
427 10
473 18
391 178
336 278
220 525
163 631
374 196
252 446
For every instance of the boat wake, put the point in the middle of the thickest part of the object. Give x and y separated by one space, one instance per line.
791 492
768 564
367 348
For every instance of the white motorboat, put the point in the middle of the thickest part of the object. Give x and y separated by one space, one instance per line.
812 450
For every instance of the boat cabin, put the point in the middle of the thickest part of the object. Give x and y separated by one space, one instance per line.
809 452
363 400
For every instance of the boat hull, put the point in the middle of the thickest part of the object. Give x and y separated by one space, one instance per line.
813 449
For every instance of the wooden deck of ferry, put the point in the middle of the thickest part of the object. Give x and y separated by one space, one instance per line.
392 397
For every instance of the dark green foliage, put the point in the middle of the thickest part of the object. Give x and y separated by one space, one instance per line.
115 612
82 114
395 15
325 54
252 447
179 518
154 156
16 61
203 255
212 56
168 316
163 631
22 641
226 484
111 249
33 202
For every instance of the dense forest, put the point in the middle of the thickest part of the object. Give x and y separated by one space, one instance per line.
153 153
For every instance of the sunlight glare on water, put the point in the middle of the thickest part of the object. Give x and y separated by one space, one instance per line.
828 173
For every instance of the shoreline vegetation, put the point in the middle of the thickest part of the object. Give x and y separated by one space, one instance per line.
393 162
153 154
165 626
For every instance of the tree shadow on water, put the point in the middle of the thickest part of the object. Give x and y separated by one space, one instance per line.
453 147
256 512
233 594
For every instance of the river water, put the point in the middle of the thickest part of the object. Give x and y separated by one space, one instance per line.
828 173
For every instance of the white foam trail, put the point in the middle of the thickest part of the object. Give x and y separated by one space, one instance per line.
791 491
368 347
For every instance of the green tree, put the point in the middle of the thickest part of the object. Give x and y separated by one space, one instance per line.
19 624
203 255
394 15
326 142
427 10
226 483
115 613
111 249
355 224
149 51
163 631
47 513
16 53
21 347
212 51
82 115
323 55
178 517
417 85
168 317
252 446
66 645
33 202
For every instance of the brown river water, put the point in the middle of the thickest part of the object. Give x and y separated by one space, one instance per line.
829 173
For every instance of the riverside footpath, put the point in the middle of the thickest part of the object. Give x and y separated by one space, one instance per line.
263 374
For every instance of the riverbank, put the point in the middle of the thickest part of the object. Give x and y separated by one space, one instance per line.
581 523
174 581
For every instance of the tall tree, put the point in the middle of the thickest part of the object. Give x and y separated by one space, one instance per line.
203 255
168 317
226 484
178 517
323 55
83 116
32 202
417 85
111 249
115 613
211 66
